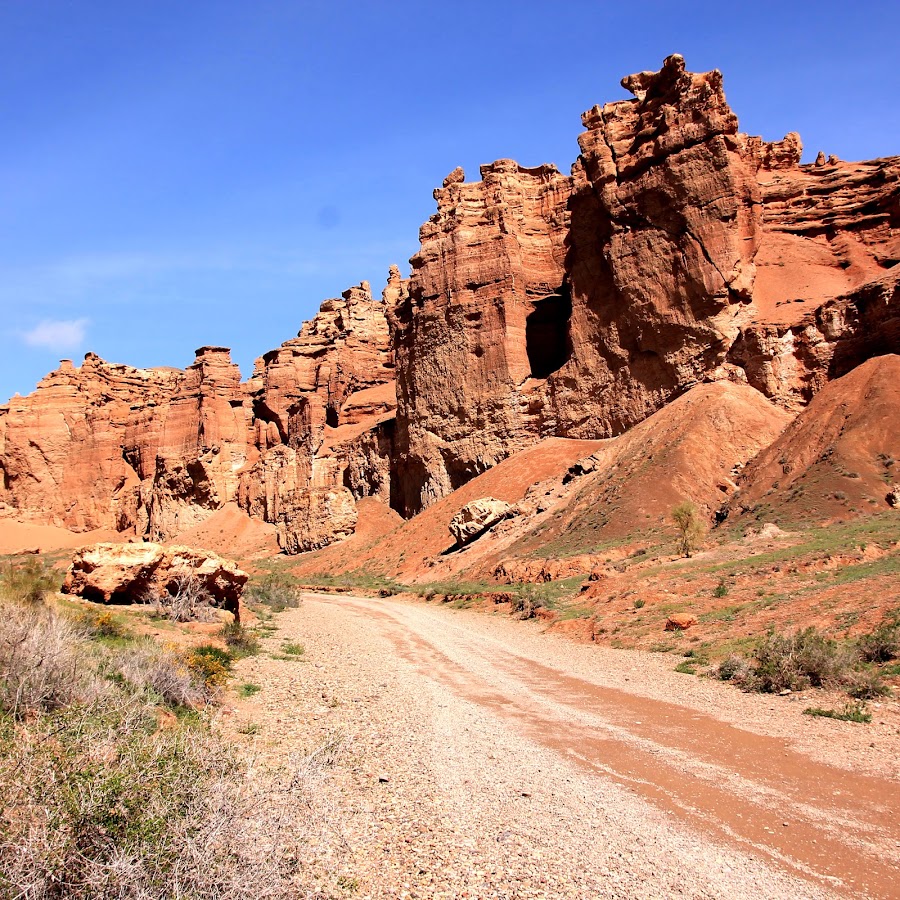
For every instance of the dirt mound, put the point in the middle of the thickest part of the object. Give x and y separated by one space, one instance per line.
692 449
231 531
20 537
403 551
840 456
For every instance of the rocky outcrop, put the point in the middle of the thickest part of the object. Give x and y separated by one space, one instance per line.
138 573
679 251
475 518
487 284
314 399
156 451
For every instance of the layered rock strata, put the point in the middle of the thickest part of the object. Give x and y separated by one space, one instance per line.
155 451
680 250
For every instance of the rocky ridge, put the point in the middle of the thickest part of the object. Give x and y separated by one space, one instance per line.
678 251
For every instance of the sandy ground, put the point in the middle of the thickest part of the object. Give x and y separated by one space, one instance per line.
485 759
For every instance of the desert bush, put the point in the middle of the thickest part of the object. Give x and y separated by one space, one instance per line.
277 590
161 674
796 661
41 662
211 664
882 644
26 580
690 527
98 803
734 668
866 683
240 640
98 623
527 600
190 601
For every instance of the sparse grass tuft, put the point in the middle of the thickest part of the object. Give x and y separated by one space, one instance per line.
27 581
240 641
850 712
276 590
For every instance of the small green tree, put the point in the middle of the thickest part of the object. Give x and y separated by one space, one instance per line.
690 527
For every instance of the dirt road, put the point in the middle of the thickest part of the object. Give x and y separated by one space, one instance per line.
489 760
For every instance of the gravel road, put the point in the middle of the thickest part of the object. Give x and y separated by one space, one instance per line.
485 759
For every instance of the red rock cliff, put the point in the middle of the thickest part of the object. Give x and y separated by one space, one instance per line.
155 451
680 250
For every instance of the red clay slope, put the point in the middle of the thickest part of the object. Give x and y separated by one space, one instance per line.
837 457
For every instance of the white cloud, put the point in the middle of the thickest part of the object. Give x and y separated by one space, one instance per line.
57 334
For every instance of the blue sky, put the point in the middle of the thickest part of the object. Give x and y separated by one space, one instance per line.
176 174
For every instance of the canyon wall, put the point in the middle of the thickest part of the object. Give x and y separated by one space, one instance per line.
678 251
155 451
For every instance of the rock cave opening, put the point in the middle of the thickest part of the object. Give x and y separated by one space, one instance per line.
331 417
547 333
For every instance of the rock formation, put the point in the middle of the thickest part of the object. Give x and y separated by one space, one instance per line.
137 573
156 451
678 251
477 517
578 306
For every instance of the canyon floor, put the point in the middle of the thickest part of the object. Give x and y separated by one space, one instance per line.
479 756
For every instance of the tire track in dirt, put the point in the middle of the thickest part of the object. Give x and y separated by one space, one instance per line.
831 826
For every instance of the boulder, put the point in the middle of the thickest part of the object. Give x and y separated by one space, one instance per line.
477 517
680 622
132 573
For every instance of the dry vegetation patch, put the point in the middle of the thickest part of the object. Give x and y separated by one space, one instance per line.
114 780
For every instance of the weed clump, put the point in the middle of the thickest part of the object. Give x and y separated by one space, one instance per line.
26 581
882 644
528 599
239 640
211 664
277 590
806 658
795 662
42 665
850 712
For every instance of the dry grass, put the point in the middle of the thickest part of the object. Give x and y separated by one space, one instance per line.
100 803
42 663
115 783
191 602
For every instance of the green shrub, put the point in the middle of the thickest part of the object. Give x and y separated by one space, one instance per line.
211 664
292 648
882 644
98 623
851 712
277 590
721 589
